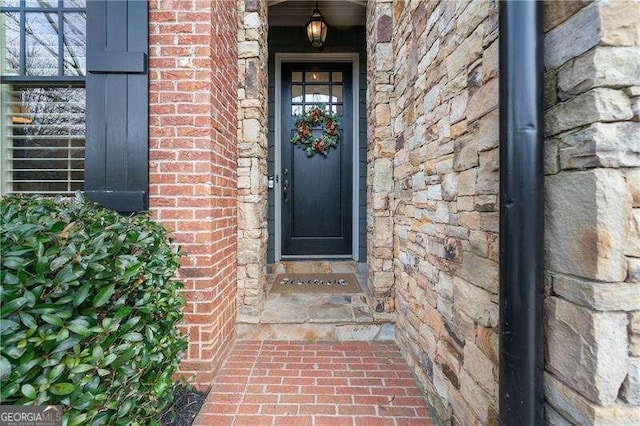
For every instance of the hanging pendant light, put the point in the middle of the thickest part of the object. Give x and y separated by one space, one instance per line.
317 28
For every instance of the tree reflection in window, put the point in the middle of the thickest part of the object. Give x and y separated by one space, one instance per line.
46 140
54 39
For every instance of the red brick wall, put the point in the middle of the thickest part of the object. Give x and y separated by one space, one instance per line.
193 108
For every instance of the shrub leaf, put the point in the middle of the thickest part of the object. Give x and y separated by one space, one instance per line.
132 337
81 295
5 368
52 319
67 344
62 388
13 306
103 295
7 325
28 320
81 368
79 326
29 391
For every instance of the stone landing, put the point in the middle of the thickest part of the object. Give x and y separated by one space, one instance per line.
310 317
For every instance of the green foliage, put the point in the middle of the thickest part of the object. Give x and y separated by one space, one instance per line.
310 144
88 311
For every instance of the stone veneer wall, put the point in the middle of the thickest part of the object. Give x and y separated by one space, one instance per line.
252 154
444 200
433 112
380 150
192 138
592 146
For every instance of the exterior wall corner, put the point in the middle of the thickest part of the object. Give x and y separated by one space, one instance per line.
252 29
381 148
192 163
592 215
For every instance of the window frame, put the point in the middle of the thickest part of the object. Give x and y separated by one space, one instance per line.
60 78
21 80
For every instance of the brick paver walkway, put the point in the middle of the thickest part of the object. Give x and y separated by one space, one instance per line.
314 384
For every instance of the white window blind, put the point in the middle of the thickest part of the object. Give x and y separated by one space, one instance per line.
43 138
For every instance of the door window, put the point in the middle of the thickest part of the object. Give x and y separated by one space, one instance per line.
316 88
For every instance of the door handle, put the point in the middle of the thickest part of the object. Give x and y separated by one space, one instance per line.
285 187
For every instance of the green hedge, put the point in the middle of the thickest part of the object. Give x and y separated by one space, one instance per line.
88 311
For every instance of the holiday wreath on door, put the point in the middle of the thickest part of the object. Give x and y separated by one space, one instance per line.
312 145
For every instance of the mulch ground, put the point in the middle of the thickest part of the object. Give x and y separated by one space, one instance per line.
185 407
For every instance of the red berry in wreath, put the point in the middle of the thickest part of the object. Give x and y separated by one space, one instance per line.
318 146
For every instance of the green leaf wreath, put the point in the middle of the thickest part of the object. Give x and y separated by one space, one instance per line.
311 144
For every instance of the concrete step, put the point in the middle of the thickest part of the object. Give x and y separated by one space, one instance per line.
309 317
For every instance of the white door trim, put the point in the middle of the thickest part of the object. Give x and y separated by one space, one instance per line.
353 58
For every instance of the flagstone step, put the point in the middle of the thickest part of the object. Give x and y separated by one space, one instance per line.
311 317
316 332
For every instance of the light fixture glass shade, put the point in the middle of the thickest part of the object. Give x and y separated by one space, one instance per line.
317 28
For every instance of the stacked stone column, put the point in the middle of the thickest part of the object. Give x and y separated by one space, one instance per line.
592 57
252 154
380 152
445 202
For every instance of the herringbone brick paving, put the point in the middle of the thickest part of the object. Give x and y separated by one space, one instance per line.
314 384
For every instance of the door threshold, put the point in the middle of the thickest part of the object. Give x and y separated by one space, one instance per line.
316 257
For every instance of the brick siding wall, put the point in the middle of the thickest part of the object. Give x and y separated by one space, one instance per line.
193 184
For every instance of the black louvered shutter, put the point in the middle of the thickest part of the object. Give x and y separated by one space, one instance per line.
117 158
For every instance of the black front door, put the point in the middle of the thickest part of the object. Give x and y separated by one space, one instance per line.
316 191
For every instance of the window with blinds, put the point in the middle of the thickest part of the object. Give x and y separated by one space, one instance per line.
42 96
43 135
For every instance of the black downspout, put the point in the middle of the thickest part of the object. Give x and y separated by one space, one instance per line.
521 213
